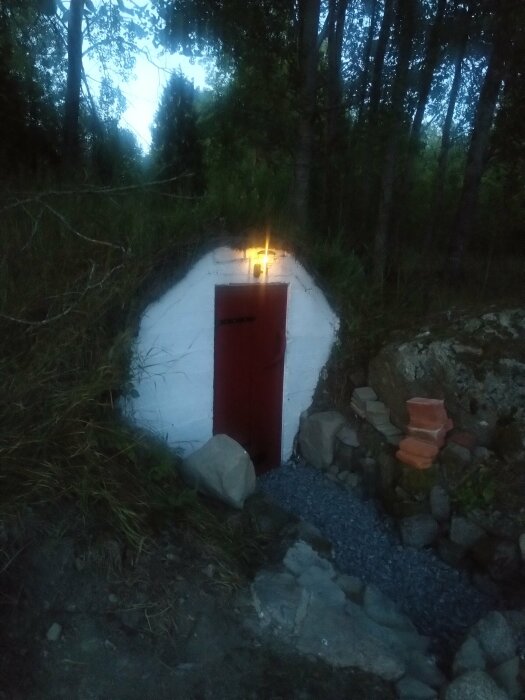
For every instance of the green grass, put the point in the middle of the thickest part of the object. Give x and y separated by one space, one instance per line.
72 265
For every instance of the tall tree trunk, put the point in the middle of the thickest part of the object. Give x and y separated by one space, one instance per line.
476 159
427 74
371 176
414 144
379 60
405 20
335 123
308 58
74 78
366 63
436 209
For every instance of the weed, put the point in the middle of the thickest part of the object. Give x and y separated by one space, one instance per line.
477 489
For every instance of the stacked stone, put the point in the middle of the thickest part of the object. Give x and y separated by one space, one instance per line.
427 428
364 402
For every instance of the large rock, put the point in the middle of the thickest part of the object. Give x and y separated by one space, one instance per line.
221 468
317 437
476 364
475 685
349 640
305 607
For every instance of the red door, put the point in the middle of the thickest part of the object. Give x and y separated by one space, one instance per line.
250 339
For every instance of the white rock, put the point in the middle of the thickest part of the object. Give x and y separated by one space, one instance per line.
54 632
221 468
300 557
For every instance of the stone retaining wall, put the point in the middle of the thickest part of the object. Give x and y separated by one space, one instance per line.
431 506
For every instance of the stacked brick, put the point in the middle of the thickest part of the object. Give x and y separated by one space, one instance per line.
427 428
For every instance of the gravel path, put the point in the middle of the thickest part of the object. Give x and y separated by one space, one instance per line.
439 599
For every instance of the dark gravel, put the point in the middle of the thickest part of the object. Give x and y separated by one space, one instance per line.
439 599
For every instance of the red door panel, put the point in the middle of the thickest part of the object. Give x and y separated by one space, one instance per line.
250 338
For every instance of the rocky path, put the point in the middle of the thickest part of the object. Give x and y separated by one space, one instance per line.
439 599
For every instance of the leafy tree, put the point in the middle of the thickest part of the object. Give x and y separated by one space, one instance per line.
176 145
480 138
106 31
436 204
29 119
74 79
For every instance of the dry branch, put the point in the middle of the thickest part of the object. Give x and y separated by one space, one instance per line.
70 308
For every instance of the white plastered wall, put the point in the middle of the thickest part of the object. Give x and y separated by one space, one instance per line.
173 355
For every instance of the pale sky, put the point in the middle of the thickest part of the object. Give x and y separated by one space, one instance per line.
143 92
152 71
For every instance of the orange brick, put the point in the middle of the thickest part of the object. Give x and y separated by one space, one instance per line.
426 413
415 461
420 448
434 436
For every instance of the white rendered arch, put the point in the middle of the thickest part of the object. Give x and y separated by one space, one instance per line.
173 354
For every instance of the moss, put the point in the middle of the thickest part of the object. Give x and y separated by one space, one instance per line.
418 482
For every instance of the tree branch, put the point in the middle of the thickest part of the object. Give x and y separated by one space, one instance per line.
66 223
66 311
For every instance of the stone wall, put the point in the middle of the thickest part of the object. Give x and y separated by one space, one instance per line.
443 506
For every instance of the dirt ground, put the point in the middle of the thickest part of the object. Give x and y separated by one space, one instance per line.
84 618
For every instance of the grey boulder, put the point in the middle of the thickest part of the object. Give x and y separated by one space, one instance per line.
221 468
475 685
317 437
